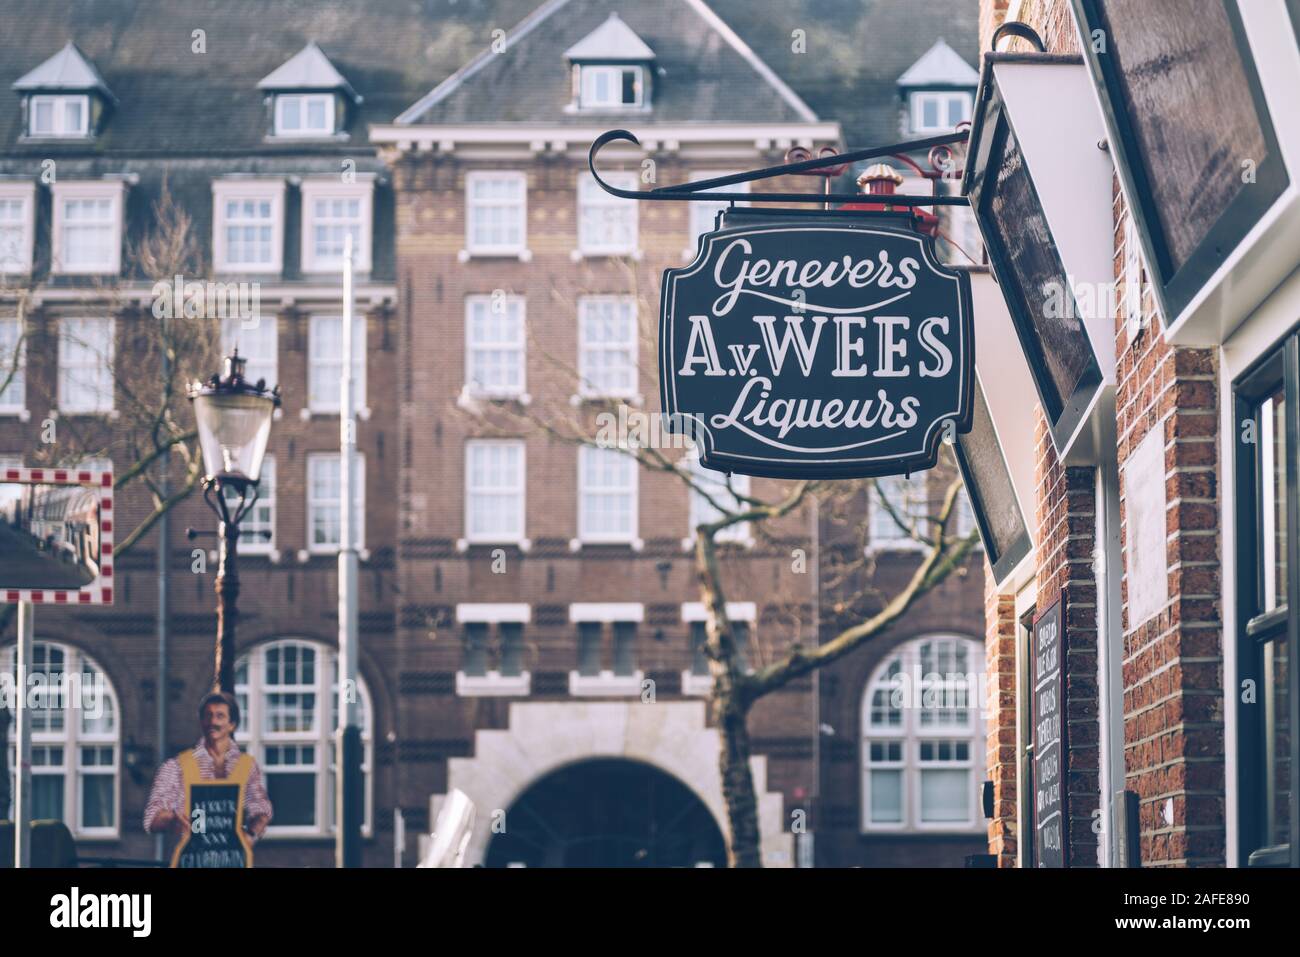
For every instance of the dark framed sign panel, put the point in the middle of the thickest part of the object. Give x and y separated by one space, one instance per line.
1051 830
1028 269
992 493
1184 107
816 344
1266 403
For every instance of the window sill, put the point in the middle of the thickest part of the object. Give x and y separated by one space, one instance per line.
307 554
605 684
468 398
523 544
697 685
341 136
228 270
22 415
493 684
306 414
578 255
578 399
578 544
523 255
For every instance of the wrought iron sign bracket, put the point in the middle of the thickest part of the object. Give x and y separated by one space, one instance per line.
940 147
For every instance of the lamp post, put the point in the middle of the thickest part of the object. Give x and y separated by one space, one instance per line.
234 423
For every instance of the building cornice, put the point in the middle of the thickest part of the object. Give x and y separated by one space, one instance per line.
557 137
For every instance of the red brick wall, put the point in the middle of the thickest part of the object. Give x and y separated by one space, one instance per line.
1173 661
1067 523
1000 657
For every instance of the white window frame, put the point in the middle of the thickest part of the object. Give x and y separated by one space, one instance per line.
304 100
25 195
71 332
59 102
587 454
693 612
741 533
606 614
628 307
228 190
13 397
473 347
326 401
253 737
916 108
896 540
471 206
587 76
251 543
592 198
314 504
493 683
74 190
264 356
911 732
517 536
72 738
363 191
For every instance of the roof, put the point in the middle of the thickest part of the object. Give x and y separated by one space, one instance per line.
704 71
940 65
612 40
66 70
393 52
308 69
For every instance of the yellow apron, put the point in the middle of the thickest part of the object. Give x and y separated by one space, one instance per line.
222 841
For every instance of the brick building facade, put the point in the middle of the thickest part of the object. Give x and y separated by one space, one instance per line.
1159 536
496 656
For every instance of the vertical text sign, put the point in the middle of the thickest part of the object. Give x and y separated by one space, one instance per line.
1050 832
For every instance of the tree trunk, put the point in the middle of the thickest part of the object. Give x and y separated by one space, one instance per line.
738 783
731 711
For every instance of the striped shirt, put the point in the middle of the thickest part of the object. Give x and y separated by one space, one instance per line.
168 790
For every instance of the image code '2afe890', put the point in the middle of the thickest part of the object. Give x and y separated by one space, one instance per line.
816 347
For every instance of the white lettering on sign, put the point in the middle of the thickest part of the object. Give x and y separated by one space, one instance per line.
815 347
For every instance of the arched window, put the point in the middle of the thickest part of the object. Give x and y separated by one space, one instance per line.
76 740
923 738
282 687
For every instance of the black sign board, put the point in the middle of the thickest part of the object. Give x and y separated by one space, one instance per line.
816 346
217 843
1051 832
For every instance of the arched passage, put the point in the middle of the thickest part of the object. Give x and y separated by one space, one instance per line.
608 812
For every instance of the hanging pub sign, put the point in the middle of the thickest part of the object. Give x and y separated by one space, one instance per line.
1048 715
804 344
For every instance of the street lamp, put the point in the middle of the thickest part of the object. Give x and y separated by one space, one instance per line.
234 423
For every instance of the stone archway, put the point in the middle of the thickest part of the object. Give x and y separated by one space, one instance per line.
608 812
544 737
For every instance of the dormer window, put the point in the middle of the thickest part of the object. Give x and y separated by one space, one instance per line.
64 97
308 97
612 69
304 114
938 90
611 87
937 111
59 116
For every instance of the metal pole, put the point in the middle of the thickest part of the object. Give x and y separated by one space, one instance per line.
347 746
164 543
227 587
23 793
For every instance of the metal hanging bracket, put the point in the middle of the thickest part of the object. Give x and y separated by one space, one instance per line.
695 191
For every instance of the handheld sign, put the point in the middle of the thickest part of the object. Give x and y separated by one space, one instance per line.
1049 739
802 345
215 809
